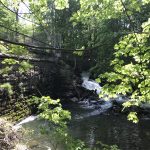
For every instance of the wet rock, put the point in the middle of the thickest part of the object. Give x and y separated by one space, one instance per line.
74 99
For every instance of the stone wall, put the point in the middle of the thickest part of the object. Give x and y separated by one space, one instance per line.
16 106
45 78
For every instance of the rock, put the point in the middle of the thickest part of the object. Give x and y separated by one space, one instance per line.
33 144
21 147
74 99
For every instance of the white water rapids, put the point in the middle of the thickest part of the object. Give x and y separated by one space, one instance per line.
90 84
97 107
94 86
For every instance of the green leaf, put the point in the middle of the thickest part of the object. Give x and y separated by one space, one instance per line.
61 4
133 117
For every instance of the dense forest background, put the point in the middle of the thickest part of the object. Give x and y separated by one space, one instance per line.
98 36
45 45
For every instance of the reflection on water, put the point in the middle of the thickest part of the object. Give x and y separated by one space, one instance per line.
111 130
33 137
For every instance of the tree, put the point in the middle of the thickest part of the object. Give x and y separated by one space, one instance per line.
131 70
104 22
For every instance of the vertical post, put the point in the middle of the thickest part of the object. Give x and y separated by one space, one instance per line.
16 25
32 30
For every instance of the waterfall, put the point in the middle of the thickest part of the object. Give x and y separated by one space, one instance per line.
26 120
90 84
93 107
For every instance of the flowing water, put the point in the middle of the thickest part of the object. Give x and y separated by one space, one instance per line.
90 84
92 126
91 123
109 129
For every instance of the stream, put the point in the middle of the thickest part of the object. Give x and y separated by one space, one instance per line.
109 129
91 123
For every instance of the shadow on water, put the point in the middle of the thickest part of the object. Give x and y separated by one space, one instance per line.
110 129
